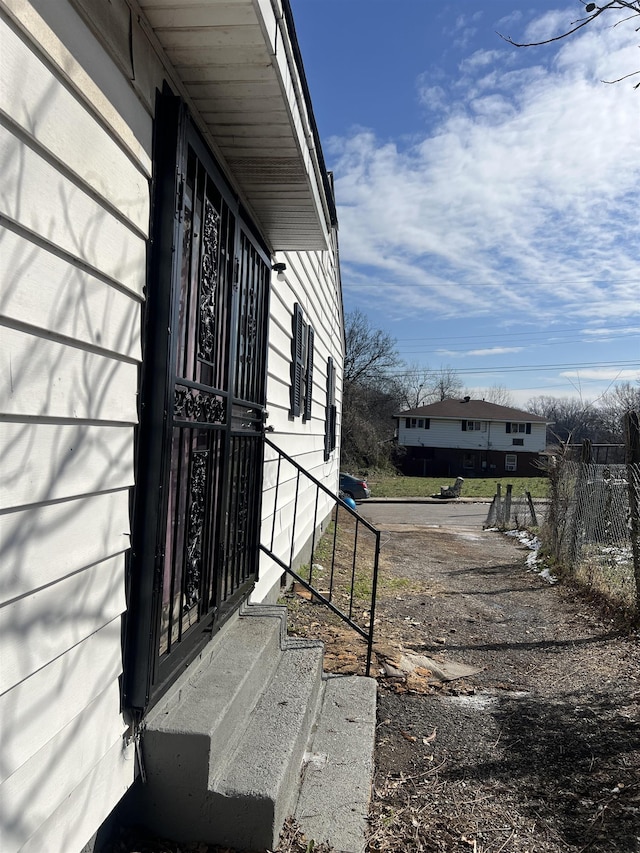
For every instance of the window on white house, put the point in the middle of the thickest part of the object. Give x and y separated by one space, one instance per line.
417 423
518 441
472 426
510 462
514 427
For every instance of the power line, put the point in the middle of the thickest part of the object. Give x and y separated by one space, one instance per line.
524 368
545 333
511 282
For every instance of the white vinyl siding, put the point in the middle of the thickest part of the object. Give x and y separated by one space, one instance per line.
311 280
75 154
73 255
492 435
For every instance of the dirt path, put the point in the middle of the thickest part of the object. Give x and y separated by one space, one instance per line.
540 750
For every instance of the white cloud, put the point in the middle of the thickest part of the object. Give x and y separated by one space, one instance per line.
479 352
602 373
613 332
522 200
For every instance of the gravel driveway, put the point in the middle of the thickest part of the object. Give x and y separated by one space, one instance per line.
540 750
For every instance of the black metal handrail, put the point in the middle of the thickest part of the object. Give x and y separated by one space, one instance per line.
365 631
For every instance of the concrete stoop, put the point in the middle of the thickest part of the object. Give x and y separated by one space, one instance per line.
255 734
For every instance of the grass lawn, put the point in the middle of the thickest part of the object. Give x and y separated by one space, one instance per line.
421 487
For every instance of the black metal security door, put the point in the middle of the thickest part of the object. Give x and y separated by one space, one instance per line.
204 398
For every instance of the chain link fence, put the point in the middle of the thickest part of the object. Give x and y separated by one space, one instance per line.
591 527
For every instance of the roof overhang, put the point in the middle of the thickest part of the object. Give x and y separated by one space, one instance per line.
238 63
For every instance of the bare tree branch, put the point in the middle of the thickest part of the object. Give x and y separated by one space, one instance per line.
594 12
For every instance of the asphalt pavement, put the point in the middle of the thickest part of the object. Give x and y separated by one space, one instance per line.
425 513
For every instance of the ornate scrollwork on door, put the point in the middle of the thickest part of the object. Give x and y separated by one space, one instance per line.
208 282
189 404
197 501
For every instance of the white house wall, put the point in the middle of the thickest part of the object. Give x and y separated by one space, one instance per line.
449 434
74 215
75 153
311 279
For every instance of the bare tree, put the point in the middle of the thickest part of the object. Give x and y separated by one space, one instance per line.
612 408
593 11
370 352
415 386
498 394
446 384
369 397
572 419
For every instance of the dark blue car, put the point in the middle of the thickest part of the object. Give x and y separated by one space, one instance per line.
354 487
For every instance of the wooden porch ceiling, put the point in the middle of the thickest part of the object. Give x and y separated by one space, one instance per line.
237 62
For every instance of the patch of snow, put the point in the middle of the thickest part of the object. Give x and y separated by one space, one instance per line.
534 544
546 575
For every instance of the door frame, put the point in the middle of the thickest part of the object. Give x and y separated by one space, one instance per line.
144 680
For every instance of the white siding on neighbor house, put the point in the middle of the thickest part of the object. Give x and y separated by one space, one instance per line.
74 216
312 280
446 433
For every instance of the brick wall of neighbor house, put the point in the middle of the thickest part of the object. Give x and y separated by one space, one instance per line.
446 462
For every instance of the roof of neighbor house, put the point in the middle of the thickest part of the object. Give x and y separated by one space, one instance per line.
468 409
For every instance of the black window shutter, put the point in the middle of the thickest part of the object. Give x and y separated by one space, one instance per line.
528 429
427 423
297 367
308 393
464 426
508 427
330 412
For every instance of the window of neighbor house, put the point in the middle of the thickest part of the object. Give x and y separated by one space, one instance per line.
301 365
510 462
517 428
472 426
518 441
417 423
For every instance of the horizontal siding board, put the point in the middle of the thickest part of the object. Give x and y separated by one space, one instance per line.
43 544
38 197
46 291
40 627
47 462
43 378
74 822
36 710
43 783
45 109
57 31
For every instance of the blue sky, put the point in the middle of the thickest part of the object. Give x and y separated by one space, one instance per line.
488 196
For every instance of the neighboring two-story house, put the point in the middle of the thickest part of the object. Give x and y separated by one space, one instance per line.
470 438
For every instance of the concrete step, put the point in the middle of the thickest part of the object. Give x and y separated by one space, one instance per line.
258 786
333 803
223 751
215 701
